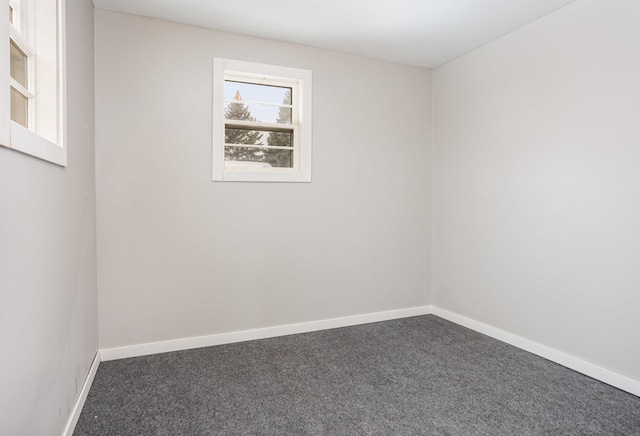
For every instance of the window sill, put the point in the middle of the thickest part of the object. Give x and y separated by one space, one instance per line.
27 142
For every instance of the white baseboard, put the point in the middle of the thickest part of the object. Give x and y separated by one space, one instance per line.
594 371
263 333
77 407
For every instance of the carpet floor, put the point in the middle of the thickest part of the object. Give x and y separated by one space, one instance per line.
413 376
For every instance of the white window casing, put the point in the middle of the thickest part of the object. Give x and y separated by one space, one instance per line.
299 82
38 31
5 90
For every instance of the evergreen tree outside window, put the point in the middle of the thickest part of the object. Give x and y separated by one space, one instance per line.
281 158
240 111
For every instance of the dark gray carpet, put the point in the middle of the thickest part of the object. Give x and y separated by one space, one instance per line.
414 376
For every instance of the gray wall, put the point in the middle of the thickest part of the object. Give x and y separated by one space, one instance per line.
536 183
182 256
48 314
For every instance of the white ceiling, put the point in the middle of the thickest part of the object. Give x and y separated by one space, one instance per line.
424 33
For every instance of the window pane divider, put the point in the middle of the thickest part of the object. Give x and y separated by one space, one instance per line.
257 125
262 103
21 89
272 147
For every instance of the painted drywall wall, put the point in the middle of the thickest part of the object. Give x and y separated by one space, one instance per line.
48 313
181 256
536 183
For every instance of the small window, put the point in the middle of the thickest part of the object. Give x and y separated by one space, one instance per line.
31 102
262 123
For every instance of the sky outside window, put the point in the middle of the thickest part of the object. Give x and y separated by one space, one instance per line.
259 93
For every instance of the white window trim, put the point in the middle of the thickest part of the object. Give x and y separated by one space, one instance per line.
302 173
13 135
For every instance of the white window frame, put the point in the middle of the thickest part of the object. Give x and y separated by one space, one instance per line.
13 135
300 81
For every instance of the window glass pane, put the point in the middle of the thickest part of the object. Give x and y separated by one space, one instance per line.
257 112
257 157
279 158
256 93
18 61
19 107
234 135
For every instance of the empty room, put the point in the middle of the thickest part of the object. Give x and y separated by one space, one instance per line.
320 217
